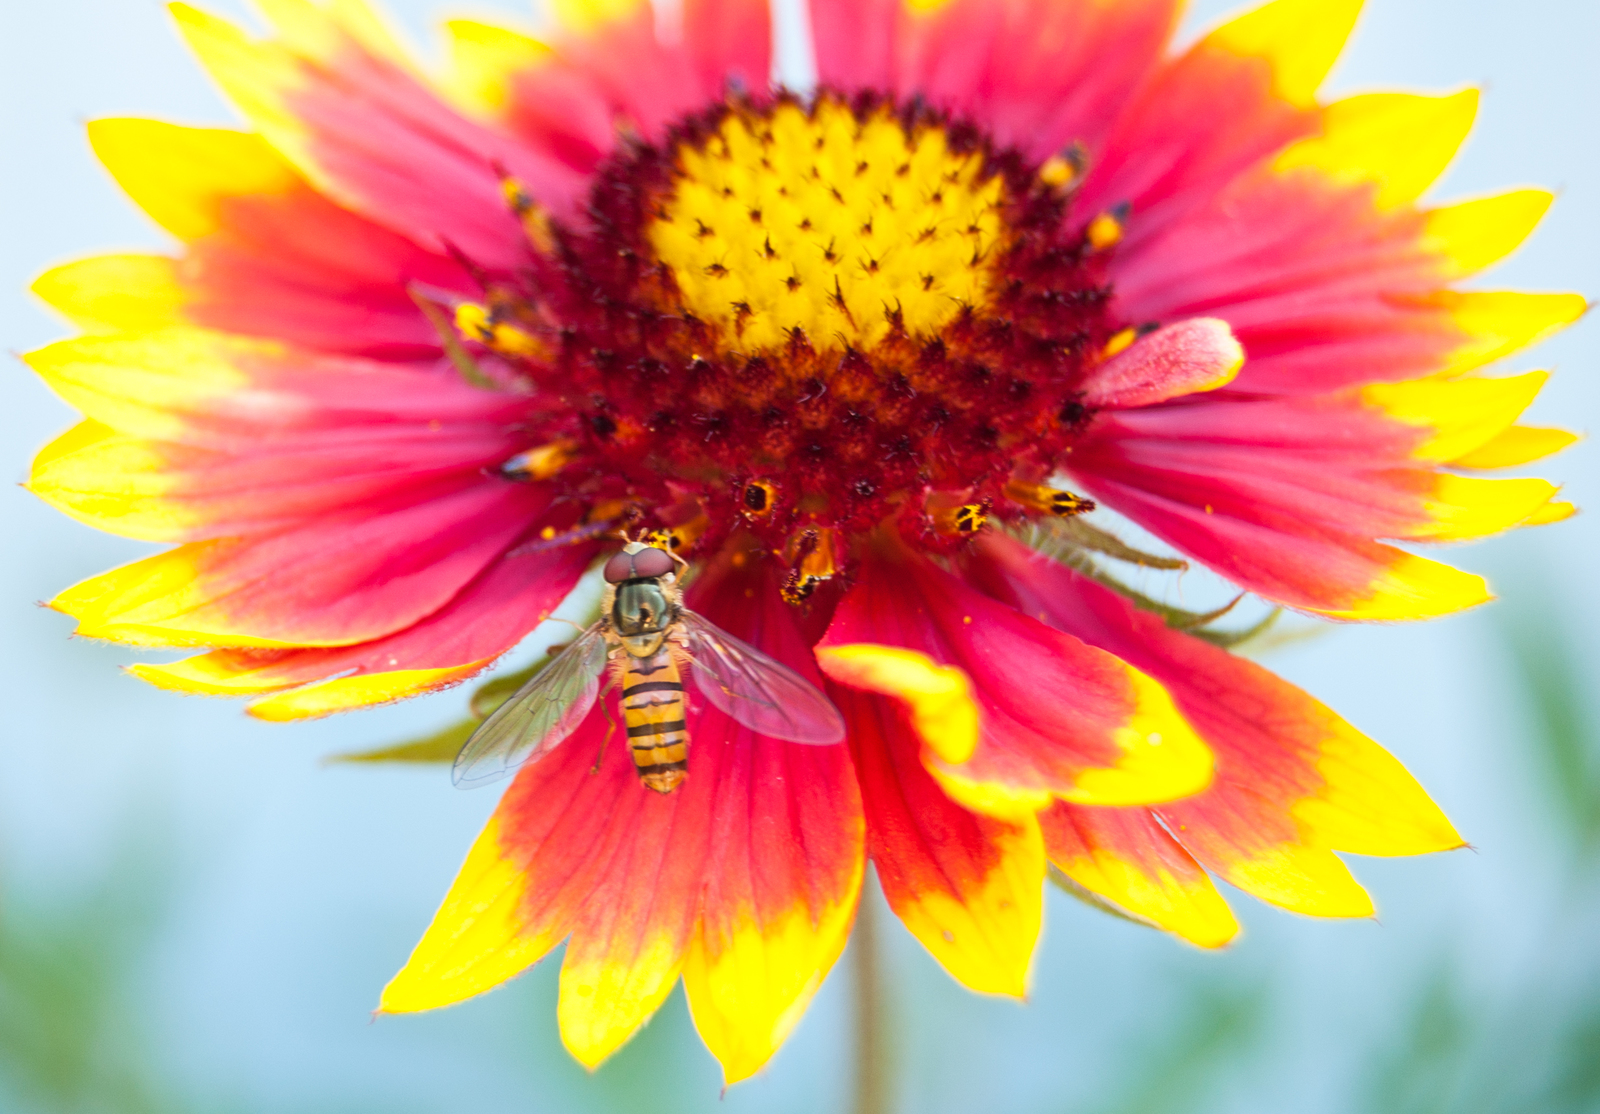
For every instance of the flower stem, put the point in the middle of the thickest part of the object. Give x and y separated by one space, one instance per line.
872 1052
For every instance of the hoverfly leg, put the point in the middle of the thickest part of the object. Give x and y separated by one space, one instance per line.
611 728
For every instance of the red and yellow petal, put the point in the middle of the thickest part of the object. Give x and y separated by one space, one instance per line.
787 849
330 581
1126 857
1055 718
968 886
196 435
490 616
1254 80
1398 143
216 391
1040 74
569 850
266 254
1333 278
612 68
744 879
1294 782
479 938
356 122
170 492
1289 497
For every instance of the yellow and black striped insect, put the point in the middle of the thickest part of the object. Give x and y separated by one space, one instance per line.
647 637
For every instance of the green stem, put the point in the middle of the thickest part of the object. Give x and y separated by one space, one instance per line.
872 1052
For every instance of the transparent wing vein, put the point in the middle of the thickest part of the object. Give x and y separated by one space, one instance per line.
541 714
763 694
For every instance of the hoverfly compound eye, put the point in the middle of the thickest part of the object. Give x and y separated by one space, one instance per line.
652 563
644 563
620 568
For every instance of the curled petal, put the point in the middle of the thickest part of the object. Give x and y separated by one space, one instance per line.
1182 359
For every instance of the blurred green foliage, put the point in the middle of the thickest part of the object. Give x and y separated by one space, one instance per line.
1547 659
70 1041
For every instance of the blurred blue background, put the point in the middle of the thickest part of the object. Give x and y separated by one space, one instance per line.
195 915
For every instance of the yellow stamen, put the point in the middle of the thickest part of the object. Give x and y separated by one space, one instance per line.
680 539
541 463
481 325
959 521
1105 231
1120 342
535 218
1047 500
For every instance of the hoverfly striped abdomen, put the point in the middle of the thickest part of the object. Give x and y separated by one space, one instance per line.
654 711
642 635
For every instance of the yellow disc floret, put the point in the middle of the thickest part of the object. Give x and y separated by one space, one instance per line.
813 218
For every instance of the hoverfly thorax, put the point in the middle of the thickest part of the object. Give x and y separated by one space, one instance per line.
644 597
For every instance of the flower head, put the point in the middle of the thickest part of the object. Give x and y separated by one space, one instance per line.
864 358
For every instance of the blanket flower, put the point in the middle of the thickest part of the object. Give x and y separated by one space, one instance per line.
865 357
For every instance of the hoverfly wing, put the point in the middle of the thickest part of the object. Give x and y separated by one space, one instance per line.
763 694
542 713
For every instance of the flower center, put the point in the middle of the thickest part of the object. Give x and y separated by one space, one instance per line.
844 226
806 317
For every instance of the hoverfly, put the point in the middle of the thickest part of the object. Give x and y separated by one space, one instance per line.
646 635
